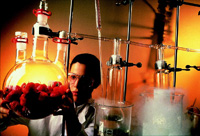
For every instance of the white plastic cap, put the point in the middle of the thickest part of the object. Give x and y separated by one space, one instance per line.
63 34
22 34
18 33
20 45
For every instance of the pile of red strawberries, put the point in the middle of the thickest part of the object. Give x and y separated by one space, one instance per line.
34 100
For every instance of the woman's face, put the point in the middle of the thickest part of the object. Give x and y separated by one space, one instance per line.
78 81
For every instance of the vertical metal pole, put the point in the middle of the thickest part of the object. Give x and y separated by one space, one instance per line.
176 44
68 54
69 30
127 48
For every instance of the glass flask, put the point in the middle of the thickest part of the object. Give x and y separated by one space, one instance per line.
114 74
38 68
113 116
162 107
34 87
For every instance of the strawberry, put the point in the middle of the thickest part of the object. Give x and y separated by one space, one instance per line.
42 96
7 90
24 109
14 94
9 97
56 83
37 84
42 88
14 105
63 89
23 85
30 87
55 92
50 89
22 100
16 87
17 90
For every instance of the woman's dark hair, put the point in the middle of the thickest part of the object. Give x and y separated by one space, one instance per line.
92 67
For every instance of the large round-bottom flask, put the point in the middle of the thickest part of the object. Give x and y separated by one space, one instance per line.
37 69
34 87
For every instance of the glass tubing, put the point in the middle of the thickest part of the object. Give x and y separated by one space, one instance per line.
155 46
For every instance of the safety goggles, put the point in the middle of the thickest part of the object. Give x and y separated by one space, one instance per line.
72 78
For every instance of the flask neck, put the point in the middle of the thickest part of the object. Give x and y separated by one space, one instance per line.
117 47
20 52
20 56
114 84
60 59
40 48
161 79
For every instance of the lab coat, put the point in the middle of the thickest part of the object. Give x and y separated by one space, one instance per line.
52 125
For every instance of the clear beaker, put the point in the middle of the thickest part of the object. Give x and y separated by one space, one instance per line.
162 112
193 114
113 119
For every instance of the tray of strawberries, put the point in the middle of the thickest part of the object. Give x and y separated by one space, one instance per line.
34 100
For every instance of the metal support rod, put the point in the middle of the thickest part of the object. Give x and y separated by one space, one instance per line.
176 44
127 48
68 54
191 4
70 30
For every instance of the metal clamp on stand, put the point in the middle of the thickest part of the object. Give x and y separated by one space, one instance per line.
195 67
177 69
163 65
117 60
124 63
46 31
73 39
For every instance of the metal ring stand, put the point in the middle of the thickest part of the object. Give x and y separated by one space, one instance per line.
127 48
176 43
68 54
